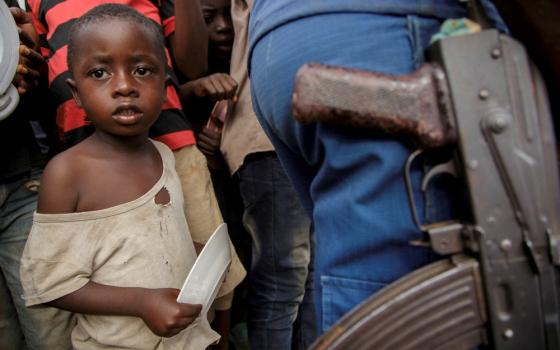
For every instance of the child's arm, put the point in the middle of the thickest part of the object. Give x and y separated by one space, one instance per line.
218 86
158 308
31 65
209 144
189 43
58 192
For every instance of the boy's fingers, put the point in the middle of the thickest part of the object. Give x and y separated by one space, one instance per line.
22 69
30 54
20 16
172 332
232 84
224 88
203 145
183 323
216 89
190 310
218 86
219 124
211 134
25 38
32 74
206 149
228 84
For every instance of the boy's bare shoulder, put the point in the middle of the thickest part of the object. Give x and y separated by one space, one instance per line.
59 191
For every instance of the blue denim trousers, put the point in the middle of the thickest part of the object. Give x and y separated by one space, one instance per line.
351 184
281 311
38 327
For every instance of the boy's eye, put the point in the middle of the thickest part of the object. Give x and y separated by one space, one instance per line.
98 73
208 15
208 19
142 71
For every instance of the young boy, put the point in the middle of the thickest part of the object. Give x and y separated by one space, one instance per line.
109 240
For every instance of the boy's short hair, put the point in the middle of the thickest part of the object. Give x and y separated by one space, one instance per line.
113 11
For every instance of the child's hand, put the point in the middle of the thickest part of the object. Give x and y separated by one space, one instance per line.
30 61
219 86
209 141
163 314
209 144
27 78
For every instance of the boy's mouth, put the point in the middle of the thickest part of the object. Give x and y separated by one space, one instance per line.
127 114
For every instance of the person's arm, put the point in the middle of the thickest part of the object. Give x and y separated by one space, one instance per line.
158 308
209 144
59 191
31 67
189 42
218 86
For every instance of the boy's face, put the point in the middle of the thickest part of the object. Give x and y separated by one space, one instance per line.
217 14
118 77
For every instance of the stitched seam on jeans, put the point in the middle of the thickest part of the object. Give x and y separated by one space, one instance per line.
415 40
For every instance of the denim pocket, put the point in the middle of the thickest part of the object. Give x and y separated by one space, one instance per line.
420 31
340 295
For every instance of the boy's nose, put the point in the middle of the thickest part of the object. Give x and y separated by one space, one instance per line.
124 85
223 24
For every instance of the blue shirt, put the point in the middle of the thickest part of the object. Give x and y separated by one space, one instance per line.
266 15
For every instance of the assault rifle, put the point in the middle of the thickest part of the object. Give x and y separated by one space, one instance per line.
480 96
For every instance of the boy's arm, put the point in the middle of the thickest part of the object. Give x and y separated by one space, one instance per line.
218 86
31 67
158 308
189 42
58 192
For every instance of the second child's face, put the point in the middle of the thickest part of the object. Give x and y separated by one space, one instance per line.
119 77
217 14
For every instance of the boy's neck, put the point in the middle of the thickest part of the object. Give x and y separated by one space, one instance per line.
130 145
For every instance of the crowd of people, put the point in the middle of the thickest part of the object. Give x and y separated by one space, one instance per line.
139 131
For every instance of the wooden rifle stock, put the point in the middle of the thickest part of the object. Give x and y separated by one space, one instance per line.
416 106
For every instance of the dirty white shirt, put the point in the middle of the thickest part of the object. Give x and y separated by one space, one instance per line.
135 244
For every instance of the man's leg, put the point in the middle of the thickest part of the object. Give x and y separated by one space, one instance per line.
305 327
280 230
351 182
10 333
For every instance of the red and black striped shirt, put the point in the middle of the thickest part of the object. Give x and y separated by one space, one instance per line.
53 19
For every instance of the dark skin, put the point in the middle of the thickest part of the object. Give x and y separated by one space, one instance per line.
31 66
189 44
218 85
120 82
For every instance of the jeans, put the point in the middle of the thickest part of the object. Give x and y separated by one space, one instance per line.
279 282
38 327
350 183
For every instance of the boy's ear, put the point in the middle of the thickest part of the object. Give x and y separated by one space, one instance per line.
72 85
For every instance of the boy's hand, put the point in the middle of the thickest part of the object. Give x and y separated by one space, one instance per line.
163 314
27 74
209 141
30 61
209 144
219 86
